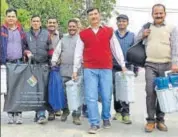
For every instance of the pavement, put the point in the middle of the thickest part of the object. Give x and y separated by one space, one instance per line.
68 129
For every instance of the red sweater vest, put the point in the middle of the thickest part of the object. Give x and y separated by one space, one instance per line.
97 52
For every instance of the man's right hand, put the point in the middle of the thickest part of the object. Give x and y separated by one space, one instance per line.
74 76
124 69
146 33
28 53
53 64
174 68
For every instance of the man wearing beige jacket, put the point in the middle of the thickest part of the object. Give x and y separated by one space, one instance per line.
161 42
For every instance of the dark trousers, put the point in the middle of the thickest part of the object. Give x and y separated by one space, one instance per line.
120 106
153 70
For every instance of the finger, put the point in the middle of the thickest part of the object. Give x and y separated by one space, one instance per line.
173 70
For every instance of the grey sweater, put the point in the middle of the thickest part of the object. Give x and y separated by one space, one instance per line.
65 53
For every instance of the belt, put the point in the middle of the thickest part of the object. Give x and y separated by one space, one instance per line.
14 61
37 62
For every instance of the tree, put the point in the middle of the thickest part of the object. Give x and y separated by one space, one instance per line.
24 18
4 7
63 9
46 8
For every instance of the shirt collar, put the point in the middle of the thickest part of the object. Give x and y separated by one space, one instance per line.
13 29
121 34
36 33
18 25
71 36
56 32
163 24
98 27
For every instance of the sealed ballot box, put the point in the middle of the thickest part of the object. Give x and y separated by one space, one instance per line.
3 79
27 87
125 86
167 92
74 90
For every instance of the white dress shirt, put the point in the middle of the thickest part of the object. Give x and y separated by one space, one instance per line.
115 48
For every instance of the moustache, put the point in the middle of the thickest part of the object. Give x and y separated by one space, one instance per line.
93 19
159 18
72 30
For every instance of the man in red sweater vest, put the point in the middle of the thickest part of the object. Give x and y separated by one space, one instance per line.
94 48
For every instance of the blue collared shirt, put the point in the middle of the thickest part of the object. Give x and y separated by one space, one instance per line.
14 45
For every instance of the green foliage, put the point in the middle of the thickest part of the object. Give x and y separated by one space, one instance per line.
62 9
4 7
24 17
105 6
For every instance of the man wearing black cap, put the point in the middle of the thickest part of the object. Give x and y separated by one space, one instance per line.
126 40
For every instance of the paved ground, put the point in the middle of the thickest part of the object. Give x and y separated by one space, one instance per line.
67 129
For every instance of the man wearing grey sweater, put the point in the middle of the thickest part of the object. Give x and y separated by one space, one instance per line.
64 53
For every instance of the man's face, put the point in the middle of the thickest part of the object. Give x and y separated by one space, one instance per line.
94 17
158 14
36 23
11 18
72 28
52 24
122 24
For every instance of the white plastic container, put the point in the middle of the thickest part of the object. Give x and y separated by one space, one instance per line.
74 90
168 100
124 84
3 79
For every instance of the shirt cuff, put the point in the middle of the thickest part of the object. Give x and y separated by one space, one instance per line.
123 65
175 61
53 63
75 69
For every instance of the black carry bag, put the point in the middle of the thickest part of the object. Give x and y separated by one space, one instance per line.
27 87
136 54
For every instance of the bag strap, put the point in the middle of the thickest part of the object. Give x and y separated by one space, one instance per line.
147 25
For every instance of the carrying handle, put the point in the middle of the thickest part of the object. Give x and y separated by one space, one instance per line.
167 72
166 75
17 64
29 64
29 60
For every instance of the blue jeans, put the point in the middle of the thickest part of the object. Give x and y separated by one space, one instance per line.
92 79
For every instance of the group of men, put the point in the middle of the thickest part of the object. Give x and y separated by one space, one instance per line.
37 44
96 52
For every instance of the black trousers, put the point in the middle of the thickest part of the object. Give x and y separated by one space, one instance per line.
120 106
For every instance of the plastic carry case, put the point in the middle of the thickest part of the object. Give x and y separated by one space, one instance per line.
3 79
124 85
74 90
167 92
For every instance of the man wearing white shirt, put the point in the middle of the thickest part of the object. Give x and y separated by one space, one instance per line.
65 53
95 47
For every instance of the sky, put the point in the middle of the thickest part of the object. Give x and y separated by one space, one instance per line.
138 18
